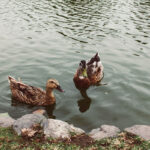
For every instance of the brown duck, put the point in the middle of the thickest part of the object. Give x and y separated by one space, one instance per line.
89 73
33 95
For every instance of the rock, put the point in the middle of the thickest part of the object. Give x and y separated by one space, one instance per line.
60 129
104 131
142 131
6 120
28 121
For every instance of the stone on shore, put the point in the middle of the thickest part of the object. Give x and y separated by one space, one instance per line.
6 120
51 127
142 131
28 121
60 129
104 131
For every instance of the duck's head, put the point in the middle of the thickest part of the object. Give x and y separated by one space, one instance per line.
82 68
82 64
54 84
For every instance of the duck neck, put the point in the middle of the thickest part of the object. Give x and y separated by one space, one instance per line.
50 95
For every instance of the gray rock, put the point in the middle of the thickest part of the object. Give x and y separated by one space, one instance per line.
140 130
6 120
27 121
60 129
104 131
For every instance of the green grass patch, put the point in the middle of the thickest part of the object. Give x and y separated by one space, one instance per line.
125 141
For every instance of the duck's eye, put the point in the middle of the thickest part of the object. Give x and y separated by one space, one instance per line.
51 81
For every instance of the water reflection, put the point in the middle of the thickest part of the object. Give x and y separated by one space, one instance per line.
49 109
84 103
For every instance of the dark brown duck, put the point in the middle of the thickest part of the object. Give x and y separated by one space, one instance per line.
89 73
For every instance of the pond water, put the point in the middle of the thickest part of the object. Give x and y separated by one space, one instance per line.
47 39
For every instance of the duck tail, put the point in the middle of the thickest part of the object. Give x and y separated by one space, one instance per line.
95 58
10 79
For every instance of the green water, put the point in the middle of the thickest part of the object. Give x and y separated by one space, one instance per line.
47 39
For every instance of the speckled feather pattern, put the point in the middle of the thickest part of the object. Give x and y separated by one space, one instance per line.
28 94
94 69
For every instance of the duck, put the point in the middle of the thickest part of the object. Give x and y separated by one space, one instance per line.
89 73
33 95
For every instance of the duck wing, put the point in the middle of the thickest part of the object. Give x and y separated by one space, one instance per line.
95 68
26 93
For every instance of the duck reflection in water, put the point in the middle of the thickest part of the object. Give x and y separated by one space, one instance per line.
49 109
84 103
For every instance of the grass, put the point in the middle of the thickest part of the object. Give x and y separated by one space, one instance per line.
125 141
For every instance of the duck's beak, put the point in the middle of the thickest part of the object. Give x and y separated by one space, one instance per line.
60 89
